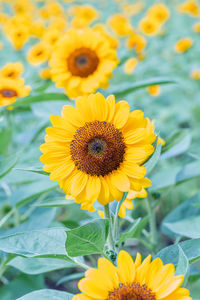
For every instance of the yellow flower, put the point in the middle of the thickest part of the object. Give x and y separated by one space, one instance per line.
131 9
114 43
3 18
84 15
11 89
161 141
159 12
12 70
190 7
51 37
136 41
37 29
154 90
130 65
149 26
18 35
22 6
120 25
195 74
82 62
45 74
196 27
147 280
38 54
183 45
58 23
96 151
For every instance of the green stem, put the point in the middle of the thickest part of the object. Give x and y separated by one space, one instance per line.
152 223
116 218
80 264
107 215
6 217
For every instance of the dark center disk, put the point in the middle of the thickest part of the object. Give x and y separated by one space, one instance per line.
98 148
82 62
132 291
7 93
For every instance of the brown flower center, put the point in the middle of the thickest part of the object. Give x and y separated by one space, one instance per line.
98 148
132 291
82 62
7 93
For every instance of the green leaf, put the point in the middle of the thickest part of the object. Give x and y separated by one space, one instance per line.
191 249
151 163
130 233
37 171
55 202
35 265
8 163
177 144
5 140
189 171
178 221
183 263
142 84
87 239
40 98
70 277
47 295
47 242
164 178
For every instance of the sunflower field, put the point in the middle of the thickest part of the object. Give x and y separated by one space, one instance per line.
99 150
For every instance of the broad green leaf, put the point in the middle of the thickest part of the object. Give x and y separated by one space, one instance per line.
191 248
30 191
141 84
35 265
183 263
130 233
176 145
177 222
8 163
164 178
47 242
151 163
47 295
40 98
189 171
87 239
70 277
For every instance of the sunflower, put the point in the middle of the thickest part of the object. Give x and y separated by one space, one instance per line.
38 54
96 151
136 41
83 15
51 37
120 25
11 89
130 65
82 62
12 70
159 12
183 45
190 7
154 90
149 26
147 280
45 73
18 35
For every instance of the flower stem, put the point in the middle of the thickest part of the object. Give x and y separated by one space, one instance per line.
152 223
116 218
107 215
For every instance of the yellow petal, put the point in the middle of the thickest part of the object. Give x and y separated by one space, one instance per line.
93 188
120 180
78 183
121 114
126 268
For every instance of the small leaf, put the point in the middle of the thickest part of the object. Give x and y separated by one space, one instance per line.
47 295
87 239
183 263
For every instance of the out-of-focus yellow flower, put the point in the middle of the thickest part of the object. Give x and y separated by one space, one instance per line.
87 13
114 43
37 29
51 37
149 26
22 6
136 41
130 65
190 7
58 23
183 45
45 74
195 74
51 9
3 18
120 25
154 90
196 27
11 89
131 9
18 35
161 141
159 12
38 54
12 70
127 204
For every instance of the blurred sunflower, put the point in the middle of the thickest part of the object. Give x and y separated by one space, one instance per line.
39 53
45 74
149 26
196 27
130 65
120 25
159 12
11 89
18 35
190 7
51 37
147 280
83 15
82 62
183 45
154 90
12 70
96 151
136 41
